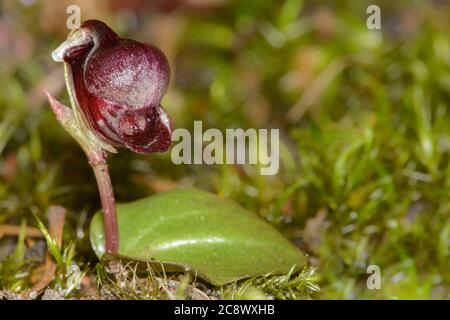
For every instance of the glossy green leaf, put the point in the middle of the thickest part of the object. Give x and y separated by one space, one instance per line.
188 229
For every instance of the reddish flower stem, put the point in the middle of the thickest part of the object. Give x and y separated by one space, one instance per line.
105 189
97 160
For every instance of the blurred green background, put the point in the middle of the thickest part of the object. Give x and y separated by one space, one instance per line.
364 118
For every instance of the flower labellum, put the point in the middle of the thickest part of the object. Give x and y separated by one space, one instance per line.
116 86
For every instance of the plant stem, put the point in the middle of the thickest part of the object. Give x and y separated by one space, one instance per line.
108 205
97 160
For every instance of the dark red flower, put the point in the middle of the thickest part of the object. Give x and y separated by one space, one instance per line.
117 85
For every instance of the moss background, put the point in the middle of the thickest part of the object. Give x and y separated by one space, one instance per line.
364 118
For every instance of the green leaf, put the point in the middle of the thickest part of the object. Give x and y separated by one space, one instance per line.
188 229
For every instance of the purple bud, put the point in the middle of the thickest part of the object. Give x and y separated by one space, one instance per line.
117 84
